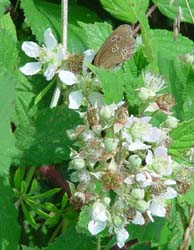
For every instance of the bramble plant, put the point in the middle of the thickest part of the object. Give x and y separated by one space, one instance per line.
97 127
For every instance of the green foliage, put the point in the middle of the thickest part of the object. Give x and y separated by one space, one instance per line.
31 134
149 232
95 41
9 229
124 10
182 138
171 10
72 240
46 141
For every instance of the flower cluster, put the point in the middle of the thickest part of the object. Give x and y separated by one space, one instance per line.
128 156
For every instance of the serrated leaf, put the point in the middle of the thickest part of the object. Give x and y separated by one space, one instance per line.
46 141
171 11
112 83
84 219
170 48
47 193
72 240
188 197
123 10
181 81
95 41
182 138
149 232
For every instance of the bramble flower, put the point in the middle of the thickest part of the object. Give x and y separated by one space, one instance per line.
129 156
153 84
49 56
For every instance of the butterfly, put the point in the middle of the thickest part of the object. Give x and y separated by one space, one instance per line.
117 48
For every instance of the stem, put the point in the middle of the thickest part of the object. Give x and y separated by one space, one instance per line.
64 14
98 243
16 6
56 95
189 9
150 11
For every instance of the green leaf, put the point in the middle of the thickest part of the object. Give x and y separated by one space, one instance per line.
9 228
171 11
72 240
123 10
45 141
182 138
64 201
29 216
169 48
181 84
84 219
188 197
112 83
95 41
3 6
47 194
148 232
8 50
41 14
174 230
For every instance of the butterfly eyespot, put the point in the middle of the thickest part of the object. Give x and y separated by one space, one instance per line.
118 38
115 48
113 38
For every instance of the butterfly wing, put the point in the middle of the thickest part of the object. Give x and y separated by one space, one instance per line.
118 47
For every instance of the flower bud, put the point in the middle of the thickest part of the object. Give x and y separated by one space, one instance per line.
141 205
106 112
118 221
110 144
77 163
171 122
138 193
134 161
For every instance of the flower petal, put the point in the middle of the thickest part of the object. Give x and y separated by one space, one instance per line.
49 39
122 236
67 77
139 219
96 227
50 71
88 57
30 69
157 208
31 49
75 99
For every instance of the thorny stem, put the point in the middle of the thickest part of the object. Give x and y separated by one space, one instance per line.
188 232
189 9
150 11
64 14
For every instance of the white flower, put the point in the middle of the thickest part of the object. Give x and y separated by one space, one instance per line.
160 162
100 216
67 77
138 219
75 99
157 207
122 236
88 57
153 83
50 55
144 179
139 129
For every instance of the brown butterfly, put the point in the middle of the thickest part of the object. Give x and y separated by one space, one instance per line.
117 48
